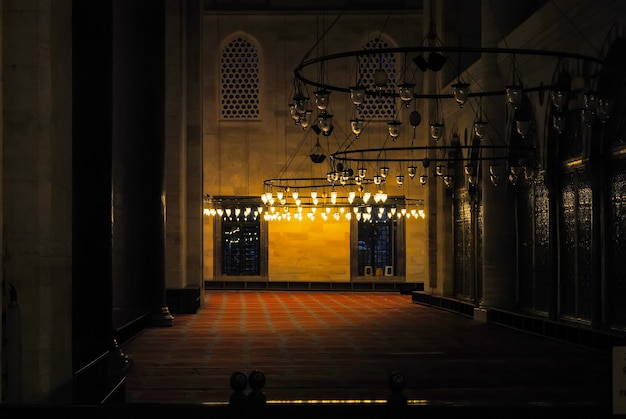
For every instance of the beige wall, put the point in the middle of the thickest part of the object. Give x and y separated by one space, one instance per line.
239 155
309 250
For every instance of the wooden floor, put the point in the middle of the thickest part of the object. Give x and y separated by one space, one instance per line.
331 345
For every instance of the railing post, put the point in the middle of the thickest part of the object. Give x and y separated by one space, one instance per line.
397 401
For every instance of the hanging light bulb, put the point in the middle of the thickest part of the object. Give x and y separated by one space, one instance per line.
461 93
300 103
399 180
436 130
514 94
357 95
333 196
412 171
357 126
406 93
479 128
322 97
293 112
305 120
384 171
325 123
394 128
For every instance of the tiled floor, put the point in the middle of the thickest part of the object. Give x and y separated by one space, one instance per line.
343 345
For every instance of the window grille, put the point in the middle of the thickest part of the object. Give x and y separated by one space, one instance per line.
378 106
376 242
239 80
241 248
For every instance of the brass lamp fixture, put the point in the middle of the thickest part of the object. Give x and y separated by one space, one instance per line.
359 177
517 152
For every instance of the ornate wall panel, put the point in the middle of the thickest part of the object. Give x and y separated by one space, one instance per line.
616 249
534 246
543 260
525 243
585 243
463 248
567 246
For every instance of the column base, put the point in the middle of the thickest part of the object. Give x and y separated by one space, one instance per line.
162 318
480 314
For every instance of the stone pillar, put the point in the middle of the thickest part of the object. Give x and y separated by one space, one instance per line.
37 195
184 154
499 238
138 160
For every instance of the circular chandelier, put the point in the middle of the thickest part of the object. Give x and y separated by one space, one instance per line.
518 152
357 176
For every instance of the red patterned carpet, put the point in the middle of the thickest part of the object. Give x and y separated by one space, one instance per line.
343 345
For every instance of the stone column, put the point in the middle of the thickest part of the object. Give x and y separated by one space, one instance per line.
499 238
138 160
184 154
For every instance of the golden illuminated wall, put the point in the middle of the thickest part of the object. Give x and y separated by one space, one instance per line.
240 154
309 250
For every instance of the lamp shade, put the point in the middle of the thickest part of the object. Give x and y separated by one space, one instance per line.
394 128
322 97
357 94
514 94
357 126
461 93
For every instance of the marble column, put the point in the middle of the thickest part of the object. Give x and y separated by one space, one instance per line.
499 238
138 160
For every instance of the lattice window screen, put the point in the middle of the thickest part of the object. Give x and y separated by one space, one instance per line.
378 106
239 80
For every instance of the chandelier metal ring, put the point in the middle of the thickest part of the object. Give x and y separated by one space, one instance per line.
365 155
307 63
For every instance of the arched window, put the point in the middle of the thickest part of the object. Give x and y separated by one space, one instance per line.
239 71
378 106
